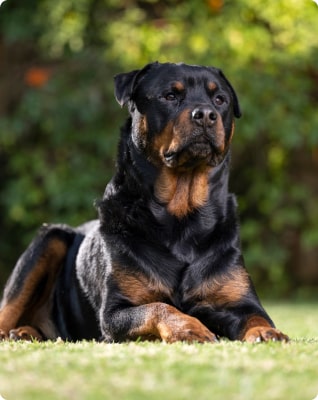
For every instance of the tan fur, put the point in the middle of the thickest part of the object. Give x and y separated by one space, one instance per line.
212 86
182 192
19 308
138 288
165 322
223 289
178 86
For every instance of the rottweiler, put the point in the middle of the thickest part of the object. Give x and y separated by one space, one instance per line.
163 261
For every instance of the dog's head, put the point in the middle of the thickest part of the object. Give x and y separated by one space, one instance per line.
182 115
182 123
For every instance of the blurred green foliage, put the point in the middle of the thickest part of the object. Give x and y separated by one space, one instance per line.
59 123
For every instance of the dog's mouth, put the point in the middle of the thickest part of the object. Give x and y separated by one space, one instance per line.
193 154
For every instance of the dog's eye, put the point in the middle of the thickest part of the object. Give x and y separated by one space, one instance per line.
170 96
218 100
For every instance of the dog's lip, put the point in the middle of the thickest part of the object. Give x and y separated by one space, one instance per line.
171 156
170 159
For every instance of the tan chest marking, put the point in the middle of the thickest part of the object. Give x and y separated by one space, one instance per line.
182 192
223 289
139 289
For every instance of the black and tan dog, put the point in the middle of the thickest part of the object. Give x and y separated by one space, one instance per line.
163 261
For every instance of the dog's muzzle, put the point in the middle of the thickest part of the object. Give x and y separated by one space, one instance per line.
200 146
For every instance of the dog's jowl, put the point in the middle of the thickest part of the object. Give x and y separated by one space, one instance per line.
163 261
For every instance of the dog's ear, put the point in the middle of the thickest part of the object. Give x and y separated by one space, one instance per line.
236 105
126 83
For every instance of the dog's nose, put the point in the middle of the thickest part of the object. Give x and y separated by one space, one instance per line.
204 115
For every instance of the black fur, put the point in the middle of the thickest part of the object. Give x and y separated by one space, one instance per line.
160 263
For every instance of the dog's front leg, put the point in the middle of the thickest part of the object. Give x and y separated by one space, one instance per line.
155 321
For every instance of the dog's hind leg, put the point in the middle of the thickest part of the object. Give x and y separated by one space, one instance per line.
25 306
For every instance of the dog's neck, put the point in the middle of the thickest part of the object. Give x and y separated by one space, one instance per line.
188 191
185 192
181 193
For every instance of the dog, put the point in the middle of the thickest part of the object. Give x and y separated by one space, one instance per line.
163 261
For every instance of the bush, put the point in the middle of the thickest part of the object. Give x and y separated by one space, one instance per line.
60 122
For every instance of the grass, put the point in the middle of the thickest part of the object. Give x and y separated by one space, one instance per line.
157 371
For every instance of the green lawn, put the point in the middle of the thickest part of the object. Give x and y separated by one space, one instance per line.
157 371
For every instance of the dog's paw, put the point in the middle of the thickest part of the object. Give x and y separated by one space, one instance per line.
25 333
259 334
185 329
3 335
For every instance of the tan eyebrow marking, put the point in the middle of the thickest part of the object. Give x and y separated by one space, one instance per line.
178 86
212 86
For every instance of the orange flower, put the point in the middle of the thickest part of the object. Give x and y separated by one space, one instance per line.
37 76
215 5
